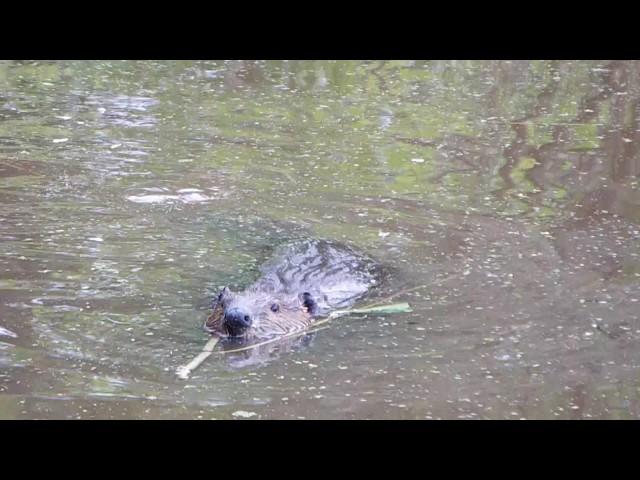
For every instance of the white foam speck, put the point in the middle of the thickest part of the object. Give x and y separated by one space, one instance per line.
151 198
193 198
243 414
8 333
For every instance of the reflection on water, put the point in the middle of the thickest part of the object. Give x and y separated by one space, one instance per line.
131 191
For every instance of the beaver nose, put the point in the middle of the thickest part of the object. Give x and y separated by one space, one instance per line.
236 321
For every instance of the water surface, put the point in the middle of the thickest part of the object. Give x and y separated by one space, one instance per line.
130 192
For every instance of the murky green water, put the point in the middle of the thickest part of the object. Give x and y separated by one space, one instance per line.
131 191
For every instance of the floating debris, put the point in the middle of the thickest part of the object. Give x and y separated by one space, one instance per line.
185 195
8 333
243 414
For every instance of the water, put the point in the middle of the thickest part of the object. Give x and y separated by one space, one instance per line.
130 192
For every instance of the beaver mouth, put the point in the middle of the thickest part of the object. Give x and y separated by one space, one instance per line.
234 332
224 330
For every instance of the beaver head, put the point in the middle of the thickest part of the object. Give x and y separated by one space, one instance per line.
253 311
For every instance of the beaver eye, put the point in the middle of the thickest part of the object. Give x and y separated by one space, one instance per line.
275 307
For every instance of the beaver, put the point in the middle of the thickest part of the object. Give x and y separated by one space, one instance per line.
303 281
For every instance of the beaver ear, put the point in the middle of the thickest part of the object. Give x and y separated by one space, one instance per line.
224 293
309 303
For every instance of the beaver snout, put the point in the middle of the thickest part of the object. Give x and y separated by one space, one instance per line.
236 322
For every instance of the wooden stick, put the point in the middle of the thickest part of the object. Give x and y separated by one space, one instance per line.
386 299
184 370
400 307
276 339
374 308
